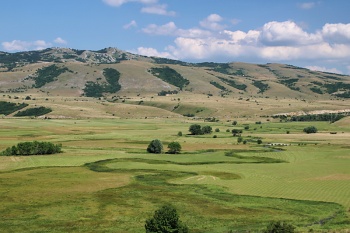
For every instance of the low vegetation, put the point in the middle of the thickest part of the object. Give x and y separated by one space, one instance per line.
165 220
7 108
170 76
47 74
39 111
32 148
96 89
261 86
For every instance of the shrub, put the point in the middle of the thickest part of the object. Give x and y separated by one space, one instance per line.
310 129
165 220
179 134
155 147
217 130
239 139
174 148
207 129
195 129
236 132
259 141
234 123
279 227
215 136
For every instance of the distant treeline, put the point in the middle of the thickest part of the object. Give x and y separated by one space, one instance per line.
48 74
170 76
164 93
34 112
319 117
32 148
7 108
95 89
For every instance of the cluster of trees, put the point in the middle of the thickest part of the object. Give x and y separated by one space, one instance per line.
156 147
170 76
167 220
164 93
197 129
95 89
48 74
39 111
33 148
7 108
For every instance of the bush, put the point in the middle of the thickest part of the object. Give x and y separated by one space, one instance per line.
217 130
195 129
239 139
174 148
33 148
207 129
259 141
155 147
310 129
234 123
165 220
279 227
179 134
236 132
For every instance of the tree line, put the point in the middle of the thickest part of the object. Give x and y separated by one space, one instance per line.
32 148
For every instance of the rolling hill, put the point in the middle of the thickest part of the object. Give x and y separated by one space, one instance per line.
115 83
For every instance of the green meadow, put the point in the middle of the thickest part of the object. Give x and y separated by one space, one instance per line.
105 181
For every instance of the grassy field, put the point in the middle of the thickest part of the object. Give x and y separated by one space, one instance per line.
106 182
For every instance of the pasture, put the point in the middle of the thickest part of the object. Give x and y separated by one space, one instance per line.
104 181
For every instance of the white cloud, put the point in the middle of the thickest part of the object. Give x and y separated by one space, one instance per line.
18 45
166 29
118 3
273 42
212 22
59 40
307 5
324 69
151 52
170 29
131 24
336 33
286 33
158 10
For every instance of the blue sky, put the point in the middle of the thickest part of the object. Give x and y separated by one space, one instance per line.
312 34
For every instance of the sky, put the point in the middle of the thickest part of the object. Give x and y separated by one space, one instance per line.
311 34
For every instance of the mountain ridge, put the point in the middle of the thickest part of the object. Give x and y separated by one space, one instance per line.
121 77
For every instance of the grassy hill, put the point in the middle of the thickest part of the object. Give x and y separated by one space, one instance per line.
62 78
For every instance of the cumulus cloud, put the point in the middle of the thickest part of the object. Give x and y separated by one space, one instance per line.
118 3
336 33
18 45
131 24
286 33
212 22
170 29
59 40
151 52
158 10
307 5
324 69
273 42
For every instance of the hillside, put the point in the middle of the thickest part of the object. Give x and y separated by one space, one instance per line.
115 83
